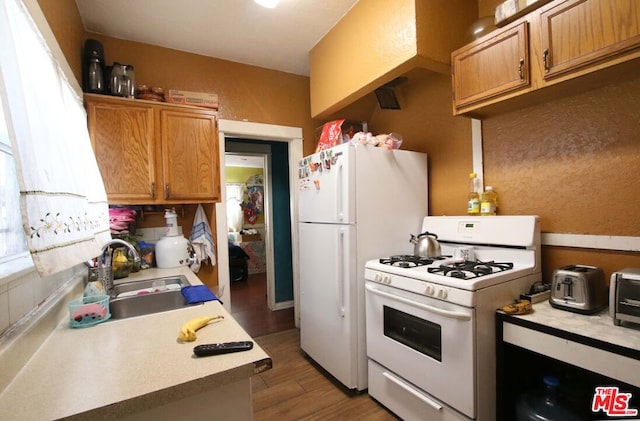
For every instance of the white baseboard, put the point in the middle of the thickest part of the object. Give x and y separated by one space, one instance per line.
282 305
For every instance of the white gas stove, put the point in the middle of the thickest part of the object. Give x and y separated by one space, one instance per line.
504 248
435 306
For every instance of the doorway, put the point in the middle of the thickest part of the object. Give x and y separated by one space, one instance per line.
263 135
249 209
248 204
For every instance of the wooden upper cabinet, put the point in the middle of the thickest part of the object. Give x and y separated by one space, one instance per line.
541 55
189 155
492 67
123 142
154 153
579 33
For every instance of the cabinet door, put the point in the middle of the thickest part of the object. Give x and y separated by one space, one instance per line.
579 33
122 138
491 68
190 161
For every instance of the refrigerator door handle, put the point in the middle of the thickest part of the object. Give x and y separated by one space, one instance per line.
340 277
339 191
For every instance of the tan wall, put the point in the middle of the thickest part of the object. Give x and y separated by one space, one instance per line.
342 72
377 41
574 162
487 7
571 161
245 92
279 98
64 19
426 124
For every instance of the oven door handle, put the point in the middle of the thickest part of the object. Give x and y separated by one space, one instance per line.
435 405
446 313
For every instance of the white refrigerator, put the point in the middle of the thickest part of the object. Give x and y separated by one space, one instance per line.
356 203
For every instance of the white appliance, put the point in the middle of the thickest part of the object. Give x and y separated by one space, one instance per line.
356 202
172 250
431 322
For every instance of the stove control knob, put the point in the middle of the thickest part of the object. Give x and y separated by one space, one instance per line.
430 290
442 294
387 280
377 278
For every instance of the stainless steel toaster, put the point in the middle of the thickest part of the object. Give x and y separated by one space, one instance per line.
624 296
579 288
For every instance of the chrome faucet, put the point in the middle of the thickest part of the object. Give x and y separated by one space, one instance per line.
136 257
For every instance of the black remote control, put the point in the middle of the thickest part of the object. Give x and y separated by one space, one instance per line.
222 348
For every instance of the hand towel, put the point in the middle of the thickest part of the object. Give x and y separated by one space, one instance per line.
197 294
202 240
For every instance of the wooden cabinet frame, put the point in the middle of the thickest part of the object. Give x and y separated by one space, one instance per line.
154 153
492 67
577 41
580 33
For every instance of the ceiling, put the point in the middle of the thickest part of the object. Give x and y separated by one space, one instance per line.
239 160
235 30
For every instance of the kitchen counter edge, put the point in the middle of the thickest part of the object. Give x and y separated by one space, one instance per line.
42 390
595 330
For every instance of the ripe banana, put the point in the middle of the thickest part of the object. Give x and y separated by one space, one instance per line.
188 330
519 307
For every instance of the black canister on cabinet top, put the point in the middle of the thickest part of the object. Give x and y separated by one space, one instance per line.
93 71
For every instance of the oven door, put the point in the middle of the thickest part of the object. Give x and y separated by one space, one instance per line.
427 342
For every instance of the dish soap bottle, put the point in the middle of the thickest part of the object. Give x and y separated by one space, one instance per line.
489 202
473 203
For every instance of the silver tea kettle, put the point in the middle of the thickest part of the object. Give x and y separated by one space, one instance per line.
425 245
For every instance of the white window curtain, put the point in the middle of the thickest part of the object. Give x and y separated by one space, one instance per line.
62 197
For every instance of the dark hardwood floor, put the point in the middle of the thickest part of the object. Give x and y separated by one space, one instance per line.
295 388
249 307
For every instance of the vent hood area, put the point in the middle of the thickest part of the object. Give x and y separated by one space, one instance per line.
378 41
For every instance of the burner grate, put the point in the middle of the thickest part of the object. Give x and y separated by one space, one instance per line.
469 269
406 261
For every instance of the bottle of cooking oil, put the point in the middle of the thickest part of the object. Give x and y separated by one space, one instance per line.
473 204
488 202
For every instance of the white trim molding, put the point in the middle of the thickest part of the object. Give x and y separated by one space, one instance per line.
476 148
603 242
261 131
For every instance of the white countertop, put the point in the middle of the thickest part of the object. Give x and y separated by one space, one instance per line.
597 326
121 366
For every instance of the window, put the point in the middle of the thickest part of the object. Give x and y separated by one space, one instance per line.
234 209
63 205
12 242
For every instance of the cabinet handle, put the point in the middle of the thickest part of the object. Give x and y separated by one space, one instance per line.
166 191
153 190
521 69
545 60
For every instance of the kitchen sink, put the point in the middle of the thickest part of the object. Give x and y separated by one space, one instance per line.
137 298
